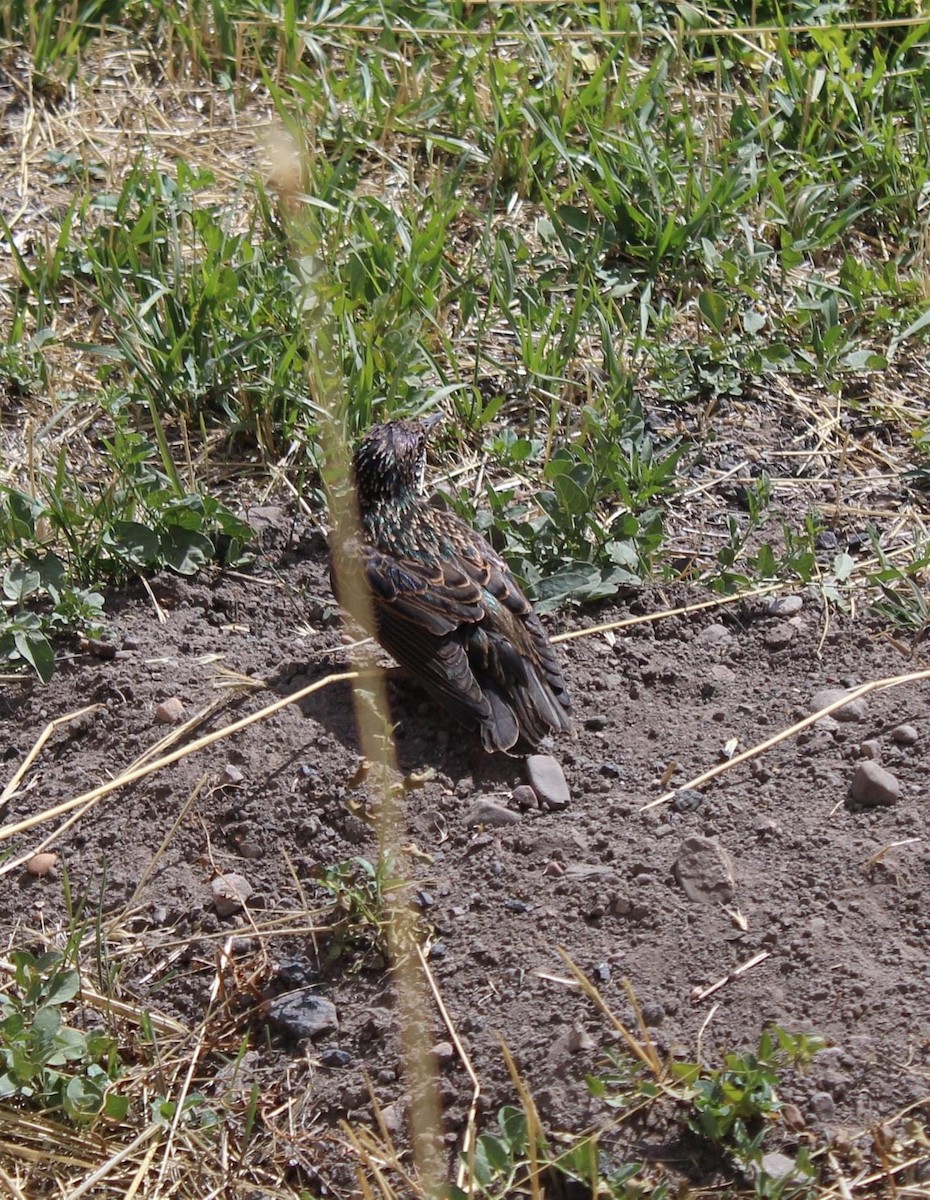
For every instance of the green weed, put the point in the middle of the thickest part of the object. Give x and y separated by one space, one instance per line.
46 1063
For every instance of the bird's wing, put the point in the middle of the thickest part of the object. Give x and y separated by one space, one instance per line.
434 596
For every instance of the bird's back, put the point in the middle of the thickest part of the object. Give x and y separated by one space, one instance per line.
448 608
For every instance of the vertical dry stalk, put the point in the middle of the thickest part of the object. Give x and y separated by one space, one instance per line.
371 710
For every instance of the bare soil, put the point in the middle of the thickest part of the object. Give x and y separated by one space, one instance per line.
833 894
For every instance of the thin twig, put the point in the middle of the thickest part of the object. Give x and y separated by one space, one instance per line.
875 685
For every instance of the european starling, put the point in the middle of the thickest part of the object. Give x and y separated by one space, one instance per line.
445 604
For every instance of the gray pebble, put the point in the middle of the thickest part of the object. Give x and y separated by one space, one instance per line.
335 1057
705 871
596 722
855 710
230 893
904 735
784 606
777 1165
303 1014
781 634
524 797
823 1106
687 800
872 785
547 780
871 748
486 812
714 635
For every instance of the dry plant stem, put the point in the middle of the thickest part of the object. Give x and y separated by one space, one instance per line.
166 841
114 1161
731 975
534 1129
377 745
469 1138
93 999
11 1186
134 775
718 602
644 1050
875 685
326 384
10 790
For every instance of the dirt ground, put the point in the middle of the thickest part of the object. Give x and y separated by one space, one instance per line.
832 893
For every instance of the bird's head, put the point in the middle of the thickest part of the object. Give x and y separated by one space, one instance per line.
390 463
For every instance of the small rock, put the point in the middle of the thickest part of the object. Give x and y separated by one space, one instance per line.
554 869
486 812
230 893
42 863
825 540
792 1116
705 871
855 710
823 1106
784 606
871 748
303 1014
687 800
524 797
443 1052
232 774
547 780
653 1015
336 1057
169 712
780 635
393 1116
872 786
579 1039
715 635
904 735
294 973
779 1166
354 1097
596 722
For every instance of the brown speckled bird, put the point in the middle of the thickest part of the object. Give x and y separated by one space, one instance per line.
446 606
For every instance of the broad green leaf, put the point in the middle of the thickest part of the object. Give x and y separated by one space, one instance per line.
134 542
20 581
713 309
115 1106
64 986
185 550
35 649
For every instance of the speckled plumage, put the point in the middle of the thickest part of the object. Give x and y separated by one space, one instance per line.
445 603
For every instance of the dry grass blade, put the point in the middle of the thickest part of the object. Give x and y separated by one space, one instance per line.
11 1186
875 685
134 775
118 1008
114 1161
469 1137
8 792
684 610
644 1048
534 1128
